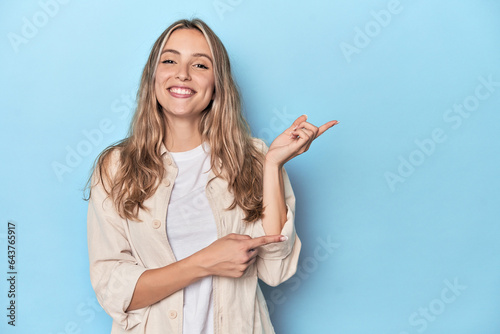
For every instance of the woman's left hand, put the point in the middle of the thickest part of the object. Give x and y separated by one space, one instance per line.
295 140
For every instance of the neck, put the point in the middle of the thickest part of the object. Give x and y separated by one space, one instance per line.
182 134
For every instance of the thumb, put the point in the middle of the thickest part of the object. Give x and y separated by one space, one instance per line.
300 119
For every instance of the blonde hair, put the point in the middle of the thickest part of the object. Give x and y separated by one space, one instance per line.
222 125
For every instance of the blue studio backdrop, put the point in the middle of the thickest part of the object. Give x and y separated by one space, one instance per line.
397 206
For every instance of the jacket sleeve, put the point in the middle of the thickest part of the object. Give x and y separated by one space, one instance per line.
113 269
277 262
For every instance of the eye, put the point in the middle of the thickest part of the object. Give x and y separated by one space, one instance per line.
168 61
201 66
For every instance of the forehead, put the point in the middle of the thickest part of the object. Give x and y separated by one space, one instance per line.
187 41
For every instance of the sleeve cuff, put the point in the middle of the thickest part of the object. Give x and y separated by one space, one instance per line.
278 250
118 295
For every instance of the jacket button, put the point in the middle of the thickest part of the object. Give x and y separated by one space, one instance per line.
156 223
172 314
166 182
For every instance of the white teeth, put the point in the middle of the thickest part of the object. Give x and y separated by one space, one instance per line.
182 91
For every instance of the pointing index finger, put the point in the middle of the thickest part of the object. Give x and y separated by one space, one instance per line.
325 127
264 240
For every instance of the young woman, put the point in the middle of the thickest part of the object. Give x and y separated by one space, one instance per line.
189 211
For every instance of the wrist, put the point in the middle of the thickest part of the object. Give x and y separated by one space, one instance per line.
197 266
270 163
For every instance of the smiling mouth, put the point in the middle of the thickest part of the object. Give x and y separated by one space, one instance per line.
181 92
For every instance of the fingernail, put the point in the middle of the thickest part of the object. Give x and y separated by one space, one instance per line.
283 238
305 115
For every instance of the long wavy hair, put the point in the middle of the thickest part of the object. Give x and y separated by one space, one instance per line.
222 125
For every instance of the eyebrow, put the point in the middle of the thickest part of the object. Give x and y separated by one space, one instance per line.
198 54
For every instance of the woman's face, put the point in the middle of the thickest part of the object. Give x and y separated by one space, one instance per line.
185 78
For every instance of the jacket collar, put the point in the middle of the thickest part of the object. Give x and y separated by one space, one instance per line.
163 151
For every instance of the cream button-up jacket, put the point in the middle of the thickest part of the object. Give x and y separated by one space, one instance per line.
120 250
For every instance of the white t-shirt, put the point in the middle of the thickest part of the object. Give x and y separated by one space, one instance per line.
190 228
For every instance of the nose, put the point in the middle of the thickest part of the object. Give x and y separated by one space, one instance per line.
183 73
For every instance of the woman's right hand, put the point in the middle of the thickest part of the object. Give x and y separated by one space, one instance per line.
228 256
231 255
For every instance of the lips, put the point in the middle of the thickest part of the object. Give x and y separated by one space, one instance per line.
181 91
